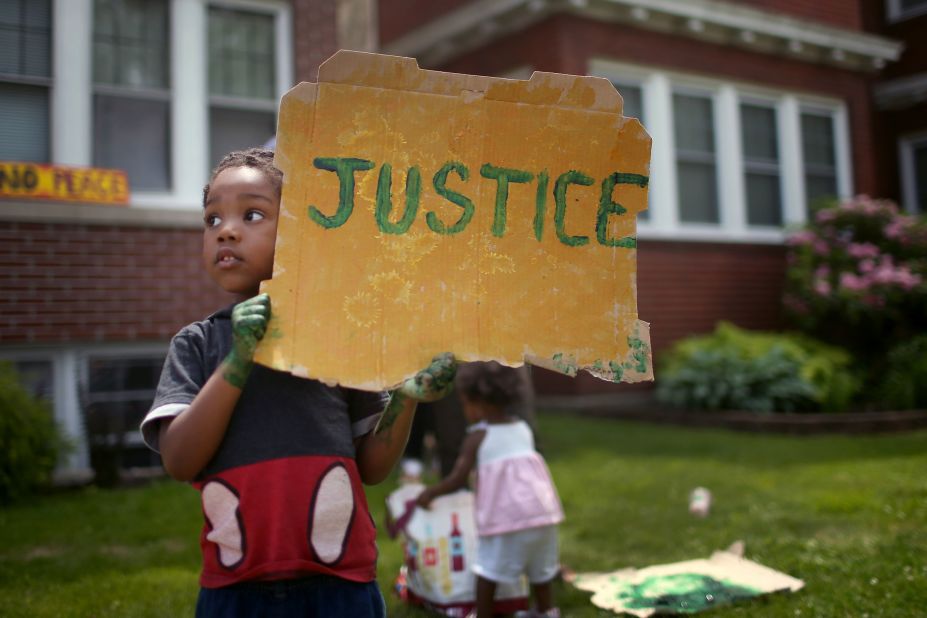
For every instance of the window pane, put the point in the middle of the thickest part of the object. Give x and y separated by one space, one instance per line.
763 200
698 193
25 37
819 187
761 164
23 123
694 127
130 43
37 377
907 5
759 133
233 129
817 139
122 374
695 159
241 54
920 177
133 135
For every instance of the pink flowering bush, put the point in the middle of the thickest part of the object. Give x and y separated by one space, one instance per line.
858 277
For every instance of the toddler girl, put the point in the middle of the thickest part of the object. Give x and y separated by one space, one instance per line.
517 507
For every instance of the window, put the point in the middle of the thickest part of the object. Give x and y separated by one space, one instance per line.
37 377
914 174
818 148
696 167
760 147
242 80
25 76
131 104
117 394
905 9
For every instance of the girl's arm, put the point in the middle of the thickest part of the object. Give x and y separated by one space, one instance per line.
459 475
379 450
189 440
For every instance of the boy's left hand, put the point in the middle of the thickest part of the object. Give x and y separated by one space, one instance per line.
433 382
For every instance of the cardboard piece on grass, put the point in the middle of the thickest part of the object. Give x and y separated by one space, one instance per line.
684 587
425 212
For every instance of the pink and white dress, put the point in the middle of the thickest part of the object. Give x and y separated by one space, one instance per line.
514 487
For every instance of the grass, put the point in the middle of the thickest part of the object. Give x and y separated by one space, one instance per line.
846 514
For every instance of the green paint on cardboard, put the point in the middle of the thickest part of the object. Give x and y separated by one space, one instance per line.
345 168
563 182
683 593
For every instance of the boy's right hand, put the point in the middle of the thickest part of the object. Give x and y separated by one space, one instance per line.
249 323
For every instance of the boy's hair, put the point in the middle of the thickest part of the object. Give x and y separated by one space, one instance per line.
488 382
259 158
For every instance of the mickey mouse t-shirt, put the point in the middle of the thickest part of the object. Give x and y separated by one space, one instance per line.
282 496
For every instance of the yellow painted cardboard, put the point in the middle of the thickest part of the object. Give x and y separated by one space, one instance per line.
62 183
367 289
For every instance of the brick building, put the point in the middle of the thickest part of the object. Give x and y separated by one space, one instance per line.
756 109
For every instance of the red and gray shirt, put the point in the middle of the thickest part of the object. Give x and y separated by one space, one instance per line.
282 497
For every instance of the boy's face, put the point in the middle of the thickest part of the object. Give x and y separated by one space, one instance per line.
241 230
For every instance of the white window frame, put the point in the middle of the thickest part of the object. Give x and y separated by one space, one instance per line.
908 179
895 13
72 90
69 371
658 88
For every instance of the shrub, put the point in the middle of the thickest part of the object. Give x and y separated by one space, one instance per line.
29 440
734 369
904 383
858 277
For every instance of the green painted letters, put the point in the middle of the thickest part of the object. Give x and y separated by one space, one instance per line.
608 207
502 176
560 189
540 204
344 167
440 182
385 200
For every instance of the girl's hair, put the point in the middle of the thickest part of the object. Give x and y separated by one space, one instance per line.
259 158
488 382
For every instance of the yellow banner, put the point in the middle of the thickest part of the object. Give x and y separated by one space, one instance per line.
425 212
60 183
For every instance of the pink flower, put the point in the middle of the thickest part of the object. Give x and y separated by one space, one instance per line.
822 271
804 237
862 250
821 247
866 266
821 287
851 282
825 215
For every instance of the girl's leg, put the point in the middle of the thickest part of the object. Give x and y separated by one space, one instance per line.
485 593
543 597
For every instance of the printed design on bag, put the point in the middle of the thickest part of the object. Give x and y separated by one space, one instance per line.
331 515
223 516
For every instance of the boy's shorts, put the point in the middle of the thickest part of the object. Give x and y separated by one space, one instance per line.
504 558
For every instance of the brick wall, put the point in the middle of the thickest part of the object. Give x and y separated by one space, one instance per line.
315 36
840 13
87 283
398 17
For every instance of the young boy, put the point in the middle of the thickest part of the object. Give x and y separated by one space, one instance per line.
279 460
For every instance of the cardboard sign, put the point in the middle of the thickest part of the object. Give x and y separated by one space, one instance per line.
60 183
425 212
684 587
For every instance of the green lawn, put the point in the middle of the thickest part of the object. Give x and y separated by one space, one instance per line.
846 514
